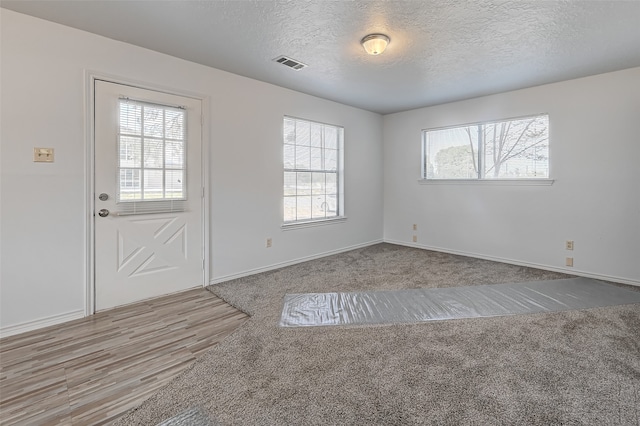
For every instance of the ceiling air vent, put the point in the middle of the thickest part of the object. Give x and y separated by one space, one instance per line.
291 63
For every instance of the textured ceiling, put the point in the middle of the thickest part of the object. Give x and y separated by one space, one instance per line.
440 51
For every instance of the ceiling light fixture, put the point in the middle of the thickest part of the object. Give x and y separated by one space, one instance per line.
375 44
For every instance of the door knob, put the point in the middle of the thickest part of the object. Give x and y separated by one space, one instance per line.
103 213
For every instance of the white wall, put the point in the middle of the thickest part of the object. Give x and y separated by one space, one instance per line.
43 205
595 148
595 200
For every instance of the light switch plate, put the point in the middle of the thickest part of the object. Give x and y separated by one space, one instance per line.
43 155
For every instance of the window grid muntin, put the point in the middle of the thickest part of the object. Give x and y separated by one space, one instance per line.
327 201
139 196
478 161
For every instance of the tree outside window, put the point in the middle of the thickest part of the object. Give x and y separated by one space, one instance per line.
508 149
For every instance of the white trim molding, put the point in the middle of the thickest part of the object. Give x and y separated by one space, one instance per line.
89 203
488 182
312 223
218 280
24 327
90 76
568 271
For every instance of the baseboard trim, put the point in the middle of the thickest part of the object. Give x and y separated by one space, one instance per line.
24 327
218 280
570 271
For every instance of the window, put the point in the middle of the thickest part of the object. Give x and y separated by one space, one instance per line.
151 148
312 171
508 149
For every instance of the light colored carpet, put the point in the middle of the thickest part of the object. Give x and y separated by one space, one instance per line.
575 367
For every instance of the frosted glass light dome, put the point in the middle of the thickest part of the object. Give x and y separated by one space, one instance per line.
375 44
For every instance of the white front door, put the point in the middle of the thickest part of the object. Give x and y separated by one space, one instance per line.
148 194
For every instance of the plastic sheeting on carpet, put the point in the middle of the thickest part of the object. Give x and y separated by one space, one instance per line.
434 304
194 416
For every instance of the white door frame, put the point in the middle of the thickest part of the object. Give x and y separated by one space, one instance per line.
90 78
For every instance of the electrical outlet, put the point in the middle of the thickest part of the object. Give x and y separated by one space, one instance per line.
269 242
415 227
415 238
569 261
569 245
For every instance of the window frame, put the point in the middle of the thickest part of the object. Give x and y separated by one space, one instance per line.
481 179
142 168
339 172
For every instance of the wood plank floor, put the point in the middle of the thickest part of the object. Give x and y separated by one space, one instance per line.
91 371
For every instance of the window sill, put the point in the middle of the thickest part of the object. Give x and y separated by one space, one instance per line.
489 182
312 223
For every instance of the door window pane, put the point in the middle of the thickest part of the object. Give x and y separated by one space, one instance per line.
174 124
153 153
174 184
153 121
130 151
174 155
151 149
153 185
130 119
130 184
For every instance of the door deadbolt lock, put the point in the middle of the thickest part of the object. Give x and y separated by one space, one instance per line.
103 213
103 197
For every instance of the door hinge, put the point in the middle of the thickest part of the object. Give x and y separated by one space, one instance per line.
202 264
203 192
